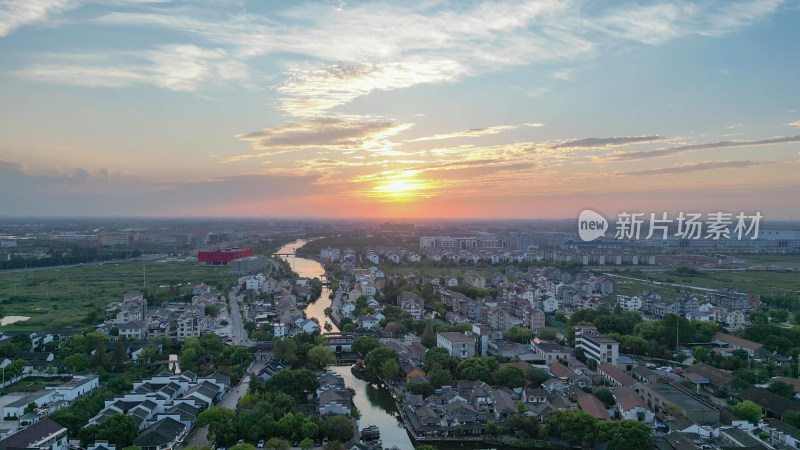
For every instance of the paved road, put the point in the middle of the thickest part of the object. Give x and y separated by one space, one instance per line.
199 436
660 283
238 332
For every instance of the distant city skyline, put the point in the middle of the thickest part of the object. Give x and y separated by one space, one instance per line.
506 109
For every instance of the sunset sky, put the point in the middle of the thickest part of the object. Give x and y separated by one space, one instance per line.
398 109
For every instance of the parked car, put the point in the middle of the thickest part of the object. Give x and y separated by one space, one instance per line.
240 441
260 444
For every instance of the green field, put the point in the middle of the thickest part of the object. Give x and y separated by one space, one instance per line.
766 284
78 295
781 260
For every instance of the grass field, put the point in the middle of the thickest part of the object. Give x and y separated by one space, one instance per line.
781 260
766 284
59 297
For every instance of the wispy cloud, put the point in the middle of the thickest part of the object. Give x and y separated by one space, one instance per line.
14 14
618 141
339 53
473 133
794 124
699 166
332 133
566 74
174 67
631 156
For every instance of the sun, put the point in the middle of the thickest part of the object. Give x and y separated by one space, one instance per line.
400 189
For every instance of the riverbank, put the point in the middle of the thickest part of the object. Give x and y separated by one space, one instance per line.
308 268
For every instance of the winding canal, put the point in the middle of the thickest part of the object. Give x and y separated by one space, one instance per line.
376 405
308 268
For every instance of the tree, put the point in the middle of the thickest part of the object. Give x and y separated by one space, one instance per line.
306 444
337 428
212 310
377 357
390 369
221 423
365 344
748 411
572 425
322 356
76 363
547 333
30 407
477 369
428 337
119 429
423 389
625 435
779 315
519 334
120 356
100 357
286 351
537 376
792 418
511 377
439 356
426 447
438 377
492 429
310 429
297 383
605 396
782 389
149 354
246 446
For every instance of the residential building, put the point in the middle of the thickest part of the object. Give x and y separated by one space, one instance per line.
737 343
596 346
42 435
549 351
459 345
412 304
136 329
473 279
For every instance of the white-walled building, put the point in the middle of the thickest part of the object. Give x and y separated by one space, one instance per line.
459 345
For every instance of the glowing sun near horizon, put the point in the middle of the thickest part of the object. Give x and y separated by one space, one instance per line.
400 189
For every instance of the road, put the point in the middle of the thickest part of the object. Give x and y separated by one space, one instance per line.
660 283
238 333
199 436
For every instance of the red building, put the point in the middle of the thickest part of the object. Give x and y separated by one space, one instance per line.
222 257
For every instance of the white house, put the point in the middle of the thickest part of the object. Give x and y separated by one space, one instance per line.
452 282
629 302
459 345
369 322
280 330
307 325
550 304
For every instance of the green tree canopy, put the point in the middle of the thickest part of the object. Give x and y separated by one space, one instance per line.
377 358
220 422
572 425
747 410
76 363
390 369
625 435
365 344
119 429
322 356
511 377
286 351
605 396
